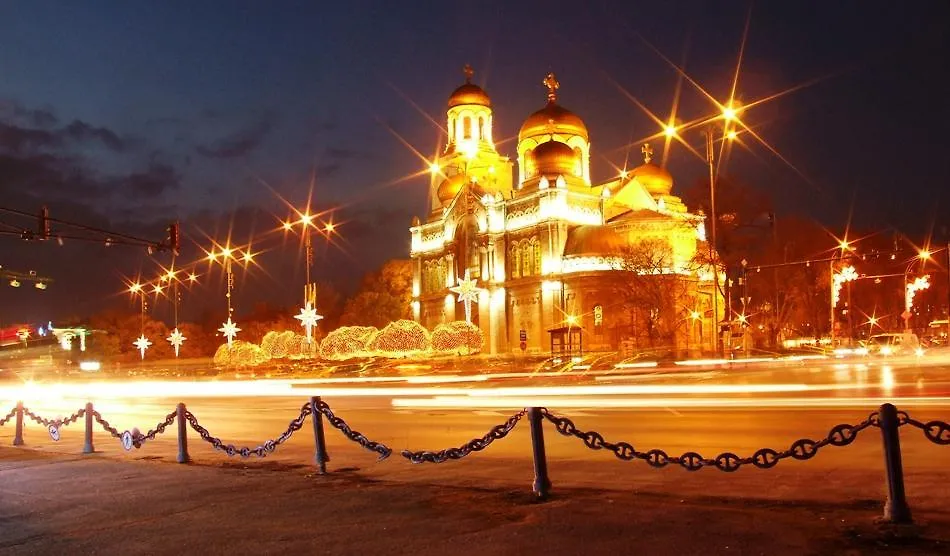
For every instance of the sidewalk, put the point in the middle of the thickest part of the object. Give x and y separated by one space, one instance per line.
63 504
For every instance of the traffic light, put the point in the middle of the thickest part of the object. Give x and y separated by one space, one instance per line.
174 237
43 228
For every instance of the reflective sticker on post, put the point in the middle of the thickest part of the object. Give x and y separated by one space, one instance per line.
127 440
53 432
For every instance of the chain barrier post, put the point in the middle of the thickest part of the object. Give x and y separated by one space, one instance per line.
320 455
87 446
896 509
182 434
18 439
542 485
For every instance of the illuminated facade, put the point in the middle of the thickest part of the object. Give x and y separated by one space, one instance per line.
547 249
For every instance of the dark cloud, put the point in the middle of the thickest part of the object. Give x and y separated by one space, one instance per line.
151 183
37 117
18 139
46 176
80 131
238 144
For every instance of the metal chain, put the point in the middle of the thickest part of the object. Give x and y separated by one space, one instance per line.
8 416
105 424
476 445
804 449
53 422
138 438
262 450
381 449
937 432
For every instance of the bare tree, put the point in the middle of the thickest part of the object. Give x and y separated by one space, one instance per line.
656 297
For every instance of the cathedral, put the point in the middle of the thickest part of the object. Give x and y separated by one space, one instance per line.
559 262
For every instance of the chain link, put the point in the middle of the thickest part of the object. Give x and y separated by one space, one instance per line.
766 458
937 432
260 451
381 449
476 445
7 417
57 423
138 438
105 425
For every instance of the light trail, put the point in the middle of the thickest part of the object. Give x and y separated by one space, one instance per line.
590 403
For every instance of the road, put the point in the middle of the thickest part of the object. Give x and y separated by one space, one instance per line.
706 407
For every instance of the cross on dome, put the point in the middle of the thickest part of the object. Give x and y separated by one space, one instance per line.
469 72
647 151
550 81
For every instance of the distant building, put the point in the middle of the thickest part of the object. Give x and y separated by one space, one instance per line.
550 249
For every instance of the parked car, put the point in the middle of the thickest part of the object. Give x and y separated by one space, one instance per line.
897 343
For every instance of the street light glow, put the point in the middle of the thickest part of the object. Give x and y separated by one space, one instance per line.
157 288
670 131
434 168
192 277
248 256
288 226
924 254
329 227
694 315
731 135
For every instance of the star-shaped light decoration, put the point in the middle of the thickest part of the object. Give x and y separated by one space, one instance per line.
308 318
176 339
467 292
229 330
142 344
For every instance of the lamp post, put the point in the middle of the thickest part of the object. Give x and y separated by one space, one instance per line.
308 316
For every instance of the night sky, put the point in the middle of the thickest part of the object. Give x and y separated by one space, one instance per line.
130 115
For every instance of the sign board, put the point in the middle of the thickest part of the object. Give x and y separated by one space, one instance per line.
523 335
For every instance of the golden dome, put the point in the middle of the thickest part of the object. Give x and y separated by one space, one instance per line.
469 93
593 240
656 180
449 188
554 157
553 118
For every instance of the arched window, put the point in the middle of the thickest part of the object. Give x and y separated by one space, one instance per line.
467 127
527 259
515 260
451 129
529 163
578 162
537 255
481 128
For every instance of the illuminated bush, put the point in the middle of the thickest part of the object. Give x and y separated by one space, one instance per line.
239 354
347 342
399 339
267 342
301 348
457 337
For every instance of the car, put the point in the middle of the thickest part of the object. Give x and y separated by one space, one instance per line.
897 343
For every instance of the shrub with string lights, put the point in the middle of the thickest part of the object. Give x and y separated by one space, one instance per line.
347 342
400 339
239 354
457 337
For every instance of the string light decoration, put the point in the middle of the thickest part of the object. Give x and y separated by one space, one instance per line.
347 342
847 274
142 343
229 330
921 283
308 318
239 354
401 338
467 292
458 337
176 339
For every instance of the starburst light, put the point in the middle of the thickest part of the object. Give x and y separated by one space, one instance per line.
229 330
308 318
142 344
176 339
467 292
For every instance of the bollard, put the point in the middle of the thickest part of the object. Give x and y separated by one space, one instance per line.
896 509
88 447
320 455
542 485
182 435
18 439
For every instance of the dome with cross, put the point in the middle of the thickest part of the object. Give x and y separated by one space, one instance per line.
655 179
